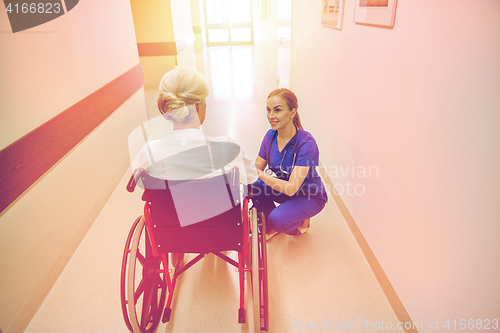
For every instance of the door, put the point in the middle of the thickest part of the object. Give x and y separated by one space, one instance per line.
228 22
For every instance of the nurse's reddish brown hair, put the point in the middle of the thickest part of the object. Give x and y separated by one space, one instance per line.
291 102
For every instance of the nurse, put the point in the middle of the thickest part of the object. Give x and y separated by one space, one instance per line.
291 180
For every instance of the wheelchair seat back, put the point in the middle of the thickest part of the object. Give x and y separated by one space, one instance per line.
195 216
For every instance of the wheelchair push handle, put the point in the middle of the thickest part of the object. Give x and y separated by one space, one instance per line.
132 183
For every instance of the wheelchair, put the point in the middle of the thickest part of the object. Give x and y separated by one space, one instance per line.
217 221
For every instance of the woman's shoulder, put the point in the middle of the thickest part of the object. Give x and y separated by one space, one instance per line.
224 144
270 132
269 135
305 136
221 139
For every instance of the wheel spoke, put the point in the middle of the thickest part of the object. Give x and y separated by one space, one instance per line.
147 303
145 316
154 300
141 259
139 291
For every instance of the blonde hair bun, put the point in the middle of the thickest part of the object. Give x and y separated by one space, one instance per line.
180 88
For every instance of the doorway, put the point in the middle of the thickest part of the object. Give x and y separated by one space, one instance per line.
228 22
284 47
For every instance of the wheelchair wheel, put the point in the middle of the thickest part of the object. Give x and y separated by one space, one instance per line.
259 272
143 289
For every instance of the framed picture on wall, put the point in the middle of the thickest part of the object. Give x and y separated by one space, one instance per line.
332 14
375 12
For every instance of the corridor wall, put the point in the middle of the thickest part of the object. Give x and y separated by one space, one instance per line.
183 32
165 37
71 92
418 103
272 38
266 38
198 21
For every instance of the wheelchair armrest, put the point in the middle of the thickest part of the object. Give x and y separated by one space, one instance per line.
133 180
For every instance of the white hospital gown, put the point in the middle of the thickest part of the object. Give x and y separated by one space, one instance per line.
184 154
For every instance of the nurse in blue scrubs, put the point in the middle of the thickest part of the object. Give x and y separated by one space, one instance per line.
291 156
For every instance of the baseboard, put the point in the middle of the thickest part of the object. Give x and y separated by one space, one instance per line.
391 295
36 300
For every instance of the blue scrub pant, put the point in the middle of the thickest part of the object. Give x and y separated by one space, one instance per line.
291 212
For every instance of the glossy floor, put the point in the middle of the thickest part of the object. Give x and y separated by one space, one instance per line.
318 281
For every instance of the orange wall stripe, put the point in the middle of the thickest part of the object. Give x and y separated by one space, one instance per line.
157 49
27 159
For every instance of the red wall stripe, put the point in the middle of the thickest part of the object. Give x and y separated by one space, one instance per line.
165 48
23 162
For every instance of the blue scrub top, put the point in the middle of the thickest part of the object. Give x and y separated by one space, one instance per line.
307 154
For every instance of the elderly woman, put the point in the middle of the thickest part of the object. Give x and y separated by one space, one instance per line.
186 153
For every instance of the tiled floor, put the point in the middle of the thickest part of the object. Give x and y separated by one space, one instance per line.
318 281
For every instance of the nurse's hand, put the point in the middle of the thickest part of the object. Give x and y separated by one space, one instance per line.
289 187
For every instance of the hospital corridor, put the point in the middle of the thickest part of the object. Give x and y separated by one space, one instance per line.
401 98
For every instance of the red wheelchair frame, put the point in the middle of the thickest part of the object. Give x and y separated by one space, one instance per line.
153 236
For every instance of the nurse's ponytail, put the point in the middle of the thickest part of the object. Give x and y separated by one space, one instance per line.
291 101
296 121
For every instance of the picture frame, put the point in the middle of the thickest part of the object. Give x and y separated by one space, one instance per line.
375 12
332 14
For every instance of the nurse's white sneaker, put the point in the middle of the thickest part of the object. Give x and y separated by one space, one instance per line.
304 226
271 234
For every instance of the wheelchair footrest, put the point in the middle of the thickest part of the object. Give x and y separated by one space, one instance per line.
242 317
166 315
